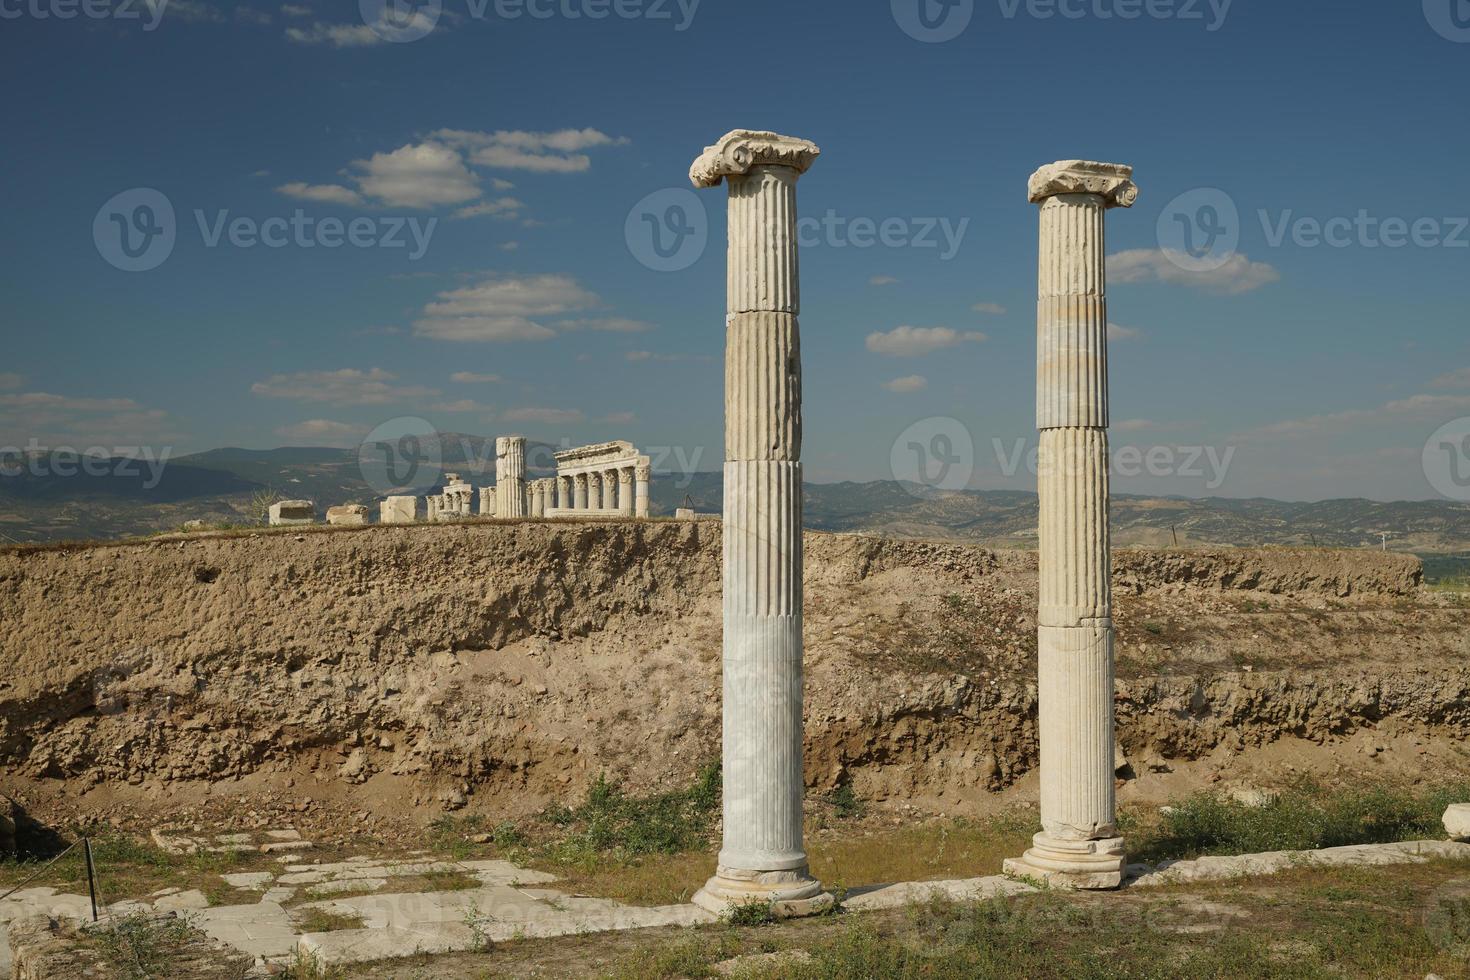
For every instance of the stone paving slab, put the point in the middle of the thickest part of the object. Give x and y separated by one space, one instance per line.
1271 862
263 929
961 890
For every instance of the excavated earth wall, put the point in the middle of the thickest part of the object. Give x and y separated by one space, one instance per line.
507 664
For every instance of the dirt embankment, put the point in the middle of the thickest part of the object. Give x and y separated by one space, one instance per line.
504 665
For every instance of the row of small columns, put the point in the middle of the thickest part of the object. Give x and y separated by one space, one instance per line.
620 490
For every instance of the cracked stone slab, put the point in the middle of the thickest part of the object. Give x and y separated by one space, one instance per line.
182 901
254 880
900 894
1271 862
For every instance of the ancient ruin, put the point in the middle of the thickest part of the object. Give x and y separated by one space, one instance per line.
600 480
348 515
399 510
1079 845
284 513
455 502
510 476
763 857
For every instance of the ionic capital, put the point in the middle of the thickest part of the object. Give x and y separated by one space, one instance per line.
738 151
1111 181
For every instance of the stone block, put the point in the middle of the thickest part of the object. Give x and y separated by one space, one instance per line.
347 515
400 510
286 513
1457 821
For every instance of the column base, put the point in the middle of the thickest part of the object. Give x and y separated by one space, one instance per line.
790 894
1088 865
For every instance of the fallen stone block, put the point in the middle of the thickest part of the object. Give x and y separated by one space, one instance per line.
1457 821
962 890
347 515
285 513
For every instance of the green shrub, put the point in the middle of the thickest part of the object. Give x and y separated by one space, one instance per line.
1301 818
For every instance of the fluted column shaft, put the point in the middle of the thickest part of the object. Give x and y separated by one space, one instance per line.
641 478
1079 845
510 476
763 854
625 491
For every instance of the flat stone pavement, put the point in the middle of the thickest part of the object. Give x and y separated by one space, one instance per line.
512 902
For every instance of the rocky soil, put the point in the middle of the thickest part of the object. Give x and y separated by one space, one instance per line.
398 673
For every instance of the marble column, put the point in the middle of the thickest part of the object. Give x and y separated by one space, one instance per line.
763 857
642 473
487 501
537 503
625 491
510 476
1079 845
594 490
563 492
579 500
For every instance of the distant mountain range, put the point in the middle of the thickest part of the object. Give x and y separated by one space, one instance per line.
45 499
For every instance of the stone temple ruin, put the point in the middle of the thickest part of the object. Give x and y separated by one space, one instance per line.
608 479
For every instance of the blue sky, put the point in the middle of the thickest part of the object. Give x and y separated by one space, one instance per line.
1303 369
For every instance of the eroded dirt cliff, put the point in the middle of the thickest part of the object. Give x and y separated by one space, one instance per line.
501 665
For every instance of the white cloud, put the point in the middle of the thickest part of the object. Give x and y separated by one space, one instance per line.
321 193
382 331
500 184
1147 425
322 432
882 281
504 208
483 329
81 423
1238 275
460 405
913 382
336 35
610 324
471 378
348 386
1455 379
1419 407
249 15
1118 332
618 418
295 10
544 152
545 416
509 246
9 380
992 309
909 341
421 176
648 355
516 308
